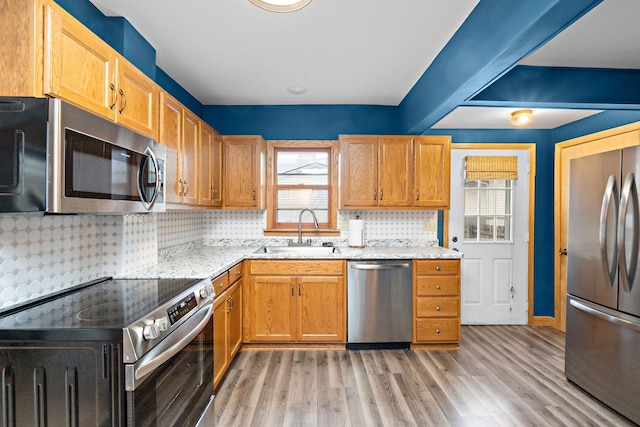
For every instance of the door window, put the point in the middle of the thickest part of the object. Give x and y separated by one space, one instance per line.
488 210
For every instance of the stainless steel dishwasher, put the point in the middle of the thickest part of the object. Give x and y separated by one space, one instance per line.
379 304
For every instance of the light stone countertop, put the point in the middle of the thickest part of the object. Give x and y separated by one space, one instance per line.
210 261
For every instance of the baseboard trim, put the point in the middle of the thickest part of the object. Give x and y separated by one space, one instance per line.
543 321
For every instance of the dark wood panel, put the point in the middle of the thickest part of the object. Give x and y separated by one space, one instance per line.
502 375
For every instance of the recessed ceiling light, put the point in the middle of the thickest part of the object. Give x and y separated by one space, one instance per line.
281 5
521 117
296 90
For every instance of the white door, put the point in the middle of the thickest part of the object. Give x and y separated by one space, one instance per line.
488 223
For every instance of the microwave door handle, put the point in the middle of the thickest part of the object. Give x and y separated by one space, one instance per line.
169 347
610 196
150 154
628 270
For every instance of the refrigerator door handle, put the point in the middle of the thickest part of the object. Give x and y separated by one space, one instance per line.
610 196
628 269
605 316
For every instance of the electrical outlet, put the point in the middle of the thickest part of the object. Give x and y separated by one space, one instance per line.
429 226
344 225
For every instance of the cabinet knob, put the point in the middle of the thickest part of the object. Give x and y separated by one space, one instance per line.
438 286
437 331
437 308
437 268
254 194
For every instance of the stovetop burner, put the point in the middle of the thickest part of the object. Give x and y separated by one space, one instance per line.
109 311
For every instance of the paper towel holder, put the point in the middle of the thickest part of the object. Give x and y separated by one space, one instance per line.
355 236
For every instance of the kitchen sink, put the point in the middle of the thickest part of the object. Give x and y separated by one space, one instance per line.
302 250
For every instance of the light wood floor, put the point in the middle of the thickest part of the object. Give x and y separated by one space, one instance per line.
501 376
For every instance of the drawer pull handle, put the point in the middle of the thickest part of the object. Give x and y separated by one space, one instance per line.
438 286
437 331
437 268
437 308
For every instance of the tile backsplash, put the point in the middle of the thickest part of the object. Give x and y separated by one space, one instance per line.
43 254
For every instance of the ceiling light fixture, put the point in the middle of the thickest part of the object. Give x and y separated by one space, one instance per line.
296 90
521 117
281 5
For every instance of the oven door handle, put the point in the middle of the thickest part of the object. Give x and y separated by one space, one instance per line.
169 347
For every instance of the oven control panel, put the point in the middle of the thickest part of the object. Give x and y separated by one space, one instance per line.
182 308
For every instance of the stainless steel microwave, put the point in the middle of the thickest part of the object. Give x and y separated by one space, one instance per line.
57 158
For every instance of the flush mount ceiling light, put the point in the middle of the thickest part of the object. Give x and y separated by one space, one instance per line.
521 117
281 5
296 90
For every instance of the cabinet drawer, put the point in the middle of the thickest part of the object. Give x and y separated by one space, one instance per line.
438 266
437 285
220 283
235 273
297 267
437 330
437 306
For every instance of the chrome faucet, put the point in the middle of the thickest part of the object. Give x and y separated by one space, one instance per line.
315 224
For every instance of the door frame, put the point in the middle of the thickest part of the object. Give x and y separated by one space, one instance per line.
564 152
531 147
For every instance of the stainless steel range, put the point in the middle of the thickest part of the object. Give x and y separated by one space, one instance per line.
111 353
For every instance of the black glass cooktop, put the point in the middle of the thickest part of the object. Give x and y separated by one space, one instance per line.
108 304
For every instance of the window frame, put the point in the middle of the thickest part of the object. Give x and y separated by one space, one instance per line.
328 228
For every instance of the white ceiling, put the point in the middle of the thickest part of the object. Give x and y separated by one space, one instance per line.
229 52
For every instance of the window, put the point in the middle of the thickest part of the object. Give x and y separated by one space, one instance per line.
302 175
488 210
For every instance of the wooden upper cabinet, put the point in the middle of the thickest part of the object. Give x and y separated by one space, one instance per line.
432 171
82 69
170 135
189 157
376 171
21 47
244 169
386 172
210 167
395 171
359 179
137 106
78 66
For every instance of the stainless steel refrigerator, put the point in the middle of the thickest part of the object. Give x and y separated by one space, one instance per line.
603 282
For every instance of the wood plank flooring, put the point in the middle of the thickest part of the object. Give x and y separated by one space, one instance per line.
501 376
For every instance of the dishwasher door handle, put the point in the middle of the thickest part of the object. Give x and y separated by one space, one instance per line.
380 266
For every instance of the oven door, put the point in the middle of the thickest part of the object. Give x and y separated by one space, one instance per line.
172 385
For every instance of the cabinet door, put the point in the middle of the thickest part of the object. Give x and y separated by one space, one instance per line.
395 171
137 100
170 135
216 170
78 66
189 157
432 160
206 165
242 172
220 339
321 309
235 320
272 310
359 171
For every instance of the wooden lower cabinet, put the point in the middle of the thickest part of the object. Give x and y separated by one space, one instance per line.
303 302
436 303
227 329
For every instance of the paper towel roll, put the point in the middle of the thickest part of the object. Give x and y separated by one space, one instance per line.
356 233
